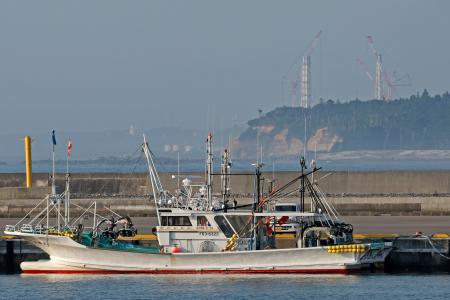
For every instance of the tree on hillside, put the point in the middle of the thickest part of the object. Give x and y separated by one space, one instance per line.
419 122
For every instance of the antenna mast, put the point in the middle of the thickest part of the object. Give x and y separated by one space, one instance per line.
209 171
225 174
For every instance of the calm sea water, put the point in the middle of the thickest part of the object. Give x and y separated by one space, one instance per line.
240 166
378 286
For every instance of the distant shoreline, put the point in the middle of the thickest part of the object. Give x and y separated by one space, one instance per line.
397 155
382 160
112 161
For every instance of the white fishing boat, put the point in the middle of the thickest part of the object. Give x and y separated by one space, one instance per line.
199 233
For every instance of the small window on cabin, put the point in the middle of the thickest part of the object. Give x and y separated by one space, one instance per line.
202 221
164 221
179 221
286 208
185 221
224 226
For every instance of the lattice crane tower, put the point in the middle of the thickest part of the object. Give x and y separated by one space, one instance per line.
305 74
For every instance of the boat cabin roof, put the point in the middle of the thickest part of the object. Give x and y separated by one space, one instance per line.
179 212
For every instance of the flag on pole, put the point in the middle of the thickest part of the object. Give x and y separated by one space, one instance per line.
53 139
69 148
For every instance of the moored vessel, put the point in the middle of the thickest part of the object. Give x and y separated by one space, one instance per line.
199 232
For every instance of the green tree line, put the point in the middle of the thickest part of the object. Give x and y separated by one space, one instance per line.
418 122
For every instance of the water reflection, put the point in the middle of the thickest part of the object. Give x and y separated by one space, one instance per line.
370 286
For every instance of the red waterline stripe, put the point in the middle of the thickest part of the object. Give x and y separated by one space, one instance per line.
282 271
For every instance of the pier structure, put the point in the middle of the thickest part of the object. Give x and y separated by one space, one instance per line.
396 193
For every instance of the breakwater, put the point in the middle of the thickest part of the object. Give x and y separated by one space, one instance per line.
353 193
333 183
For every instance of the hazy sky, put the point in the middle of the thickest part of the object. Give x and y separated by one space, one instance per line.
98 65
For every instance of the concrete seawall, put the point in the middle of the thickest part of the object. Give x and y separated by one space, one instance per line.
353 193
335 183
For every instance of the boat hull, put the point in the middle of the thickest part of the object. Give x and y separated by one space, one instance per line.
50 267
68 256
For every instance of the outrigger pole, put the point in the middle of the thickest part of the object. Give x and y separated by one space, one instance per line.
53 163
302 187
256 201
53 180
225 176
209 171
158 190
67 202
277 193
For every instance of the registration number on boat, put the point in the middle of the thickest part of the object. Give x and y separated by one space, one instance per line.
208 233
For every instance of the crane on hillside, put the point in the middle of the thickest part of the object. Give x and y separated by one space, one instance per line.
382 76
369 75
378 71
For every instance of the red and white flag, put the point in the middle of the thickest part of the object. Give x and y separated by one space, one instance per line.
69 148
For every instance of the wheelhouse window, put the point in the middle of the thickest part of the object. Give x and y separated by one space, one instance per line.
175 221
224 226
202 221
241 224
286 208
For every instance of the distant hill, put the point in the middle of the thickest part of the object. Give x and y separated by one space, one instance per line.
419 122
